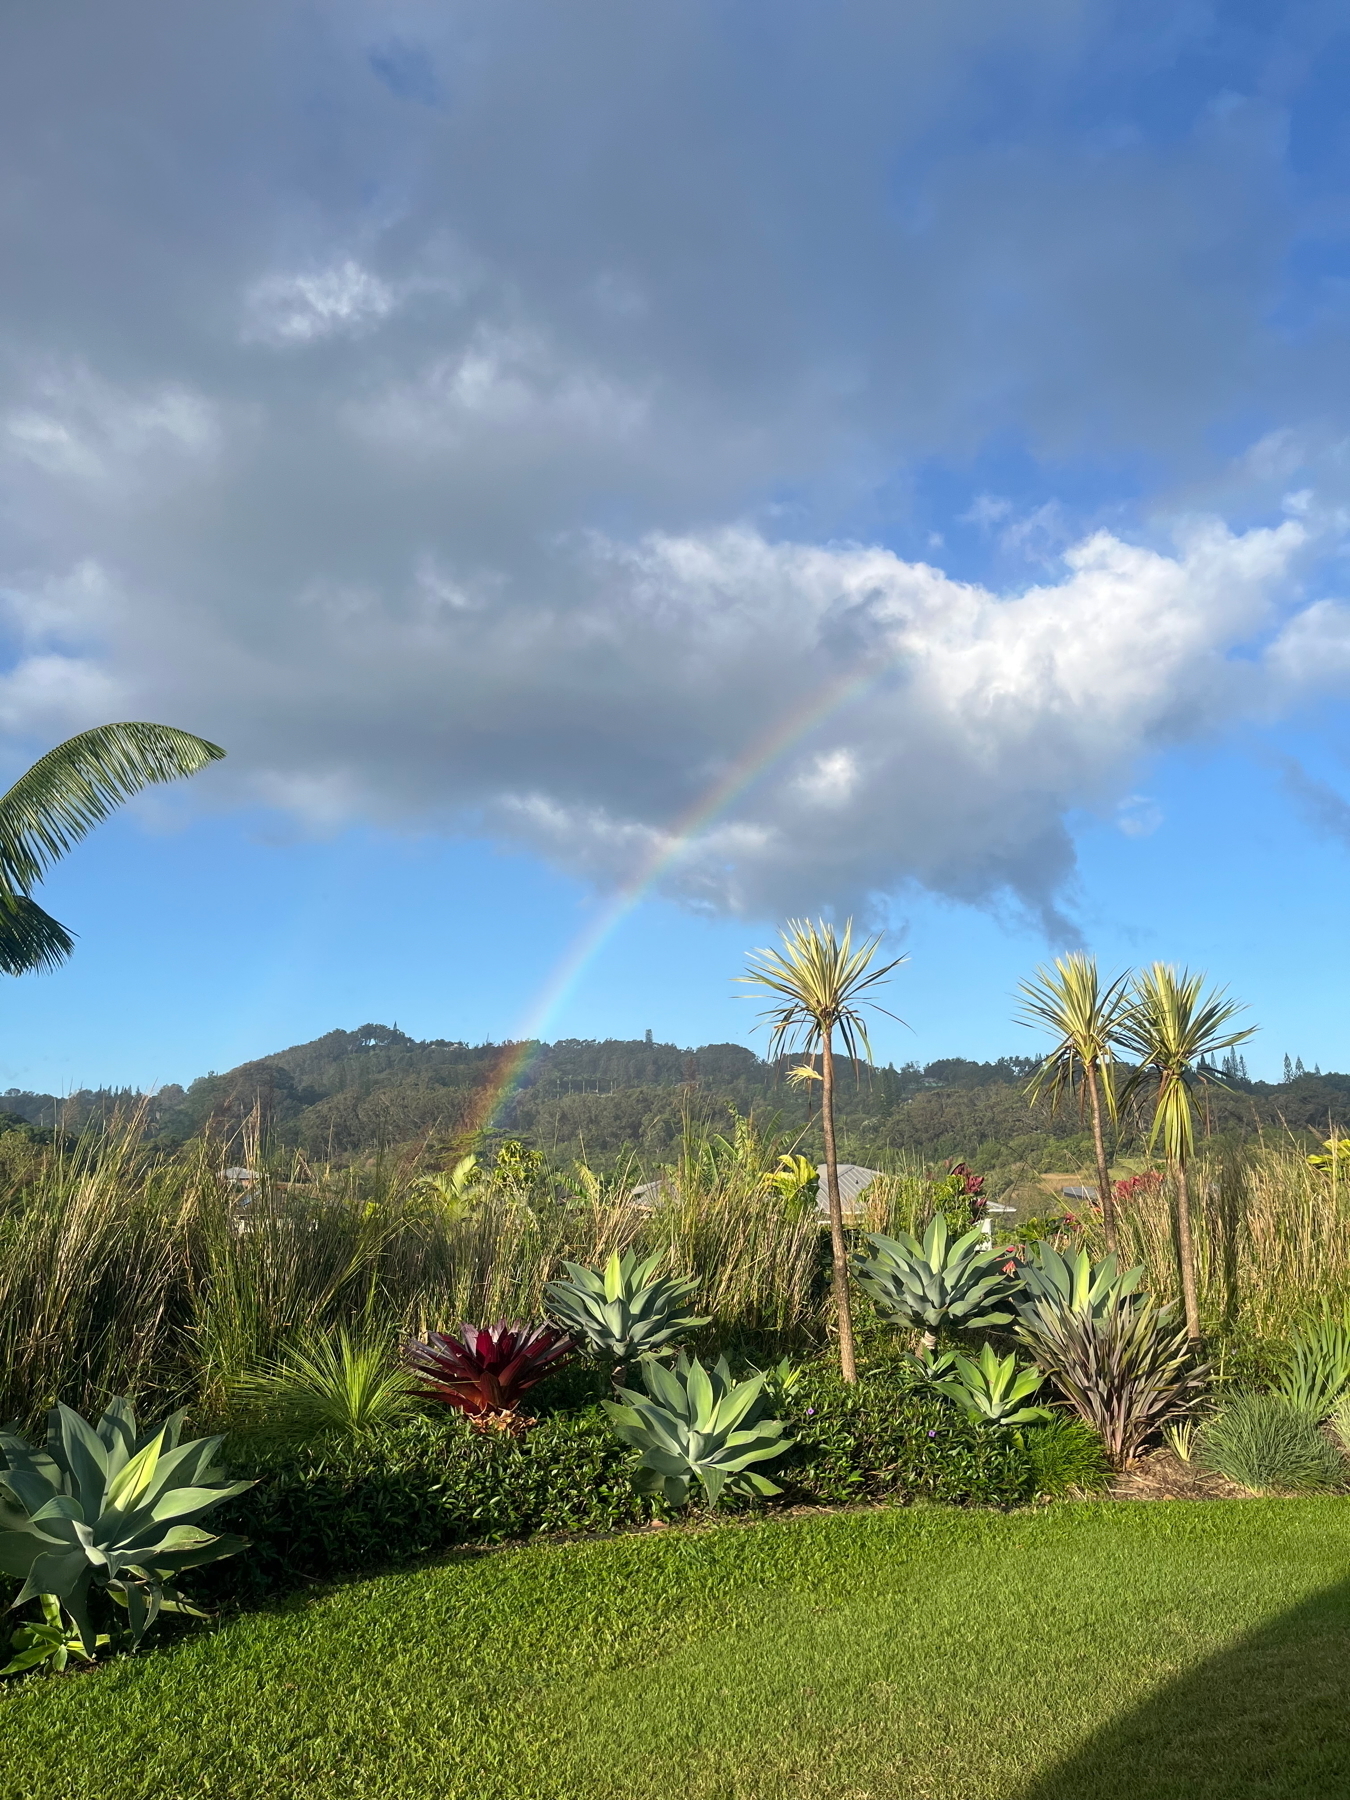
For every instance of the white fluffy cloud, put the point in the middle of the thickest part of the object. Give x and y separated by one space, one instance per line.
490 420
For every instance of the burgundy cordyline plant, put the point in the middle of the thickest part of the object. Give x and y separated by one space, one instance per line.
484 1371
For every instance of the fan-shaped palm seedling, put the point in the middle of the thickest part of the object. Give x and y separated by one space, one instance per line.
109 1508
939 1282
1126 1372
993 1389
626 1309
486 1370
1055 1282
697 1425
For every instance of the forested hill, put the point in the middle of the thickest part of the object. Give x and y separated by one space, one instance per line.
352 1092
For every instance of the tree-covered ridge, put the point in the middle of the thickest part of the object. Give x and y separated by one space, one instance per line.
351 1092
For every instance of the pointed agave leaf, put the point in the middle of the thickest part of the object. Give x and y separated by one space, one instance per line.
117 1433
127 1488
83 1457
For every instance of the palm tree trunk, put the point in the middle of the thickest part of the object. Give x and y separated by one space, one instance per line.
848 1364
1104 1194
1186 1252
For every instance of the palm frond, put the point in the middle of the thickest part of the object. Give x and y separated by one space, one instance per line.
78 784
1175 1030
1084 1017
30 939
821 981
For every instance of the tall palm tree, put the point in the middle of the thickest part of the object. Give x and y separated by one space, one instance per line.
66 792
819 979
1175 1029
1084 1016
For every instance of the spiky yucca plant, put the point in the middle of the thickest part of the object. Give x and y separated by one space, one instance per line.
486 1370
821 984
1084 1017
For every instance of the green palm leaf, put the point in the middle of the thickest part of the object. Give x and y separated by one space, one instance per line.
66 792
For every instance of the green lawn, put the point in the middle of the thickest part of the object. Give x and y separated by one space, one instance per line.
1153 1652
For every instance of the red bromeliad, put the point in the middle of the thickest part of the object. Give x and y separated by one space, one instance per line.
487 1369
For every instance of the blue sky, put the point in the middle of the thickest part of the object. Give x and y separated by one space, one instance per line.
497 425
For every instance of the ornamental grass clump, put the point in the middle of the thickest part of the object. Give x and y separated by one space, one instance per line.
1317 1372
1269 1444
340 1382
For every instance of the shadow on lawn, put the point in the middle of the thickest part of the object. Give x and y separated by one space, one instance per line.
1267 1720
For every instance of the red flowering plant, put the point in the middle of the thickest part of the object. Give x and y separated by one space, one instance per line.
485 1371
958 1194
1134 1185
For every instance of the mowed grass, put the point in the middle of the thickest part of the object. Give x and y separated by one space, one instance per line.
1082 1651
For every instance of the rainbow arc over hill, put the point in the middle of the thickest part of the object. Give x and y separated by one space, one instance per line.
754 762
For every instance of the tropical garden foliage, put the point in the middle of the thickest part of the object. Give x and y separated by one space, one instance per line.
476 1342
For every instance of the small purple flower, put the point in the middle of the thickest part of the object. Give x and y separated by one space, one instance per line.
810 1412
932 1434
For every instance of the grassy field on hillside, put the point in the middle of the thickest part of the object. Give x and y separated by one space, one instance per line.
1082 1652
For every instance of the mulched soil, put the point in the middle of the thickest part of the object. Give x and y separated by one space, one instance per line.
1161 1475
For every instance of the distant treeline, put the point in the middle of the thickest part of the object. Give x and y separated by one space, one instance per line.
352 1093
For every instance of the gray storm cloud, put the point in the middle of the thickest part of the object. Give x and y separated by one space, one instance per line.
475 419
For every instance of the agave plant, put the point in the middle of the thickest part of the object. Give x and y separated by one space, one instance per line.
938 1282
697 1424
53 1641
1127 1371
487 1370
108 1507
1053 1282
626 1310
991 1390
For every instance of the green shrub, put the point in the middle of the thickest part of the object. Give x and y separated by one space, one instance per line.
882 1439
1065 1457
1264 1442
333 1508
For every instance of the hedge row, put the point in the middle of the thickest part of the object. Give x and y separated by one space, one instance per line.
325 1510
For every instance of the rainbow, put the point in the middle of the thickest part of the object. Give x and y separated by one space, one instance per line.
749 767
